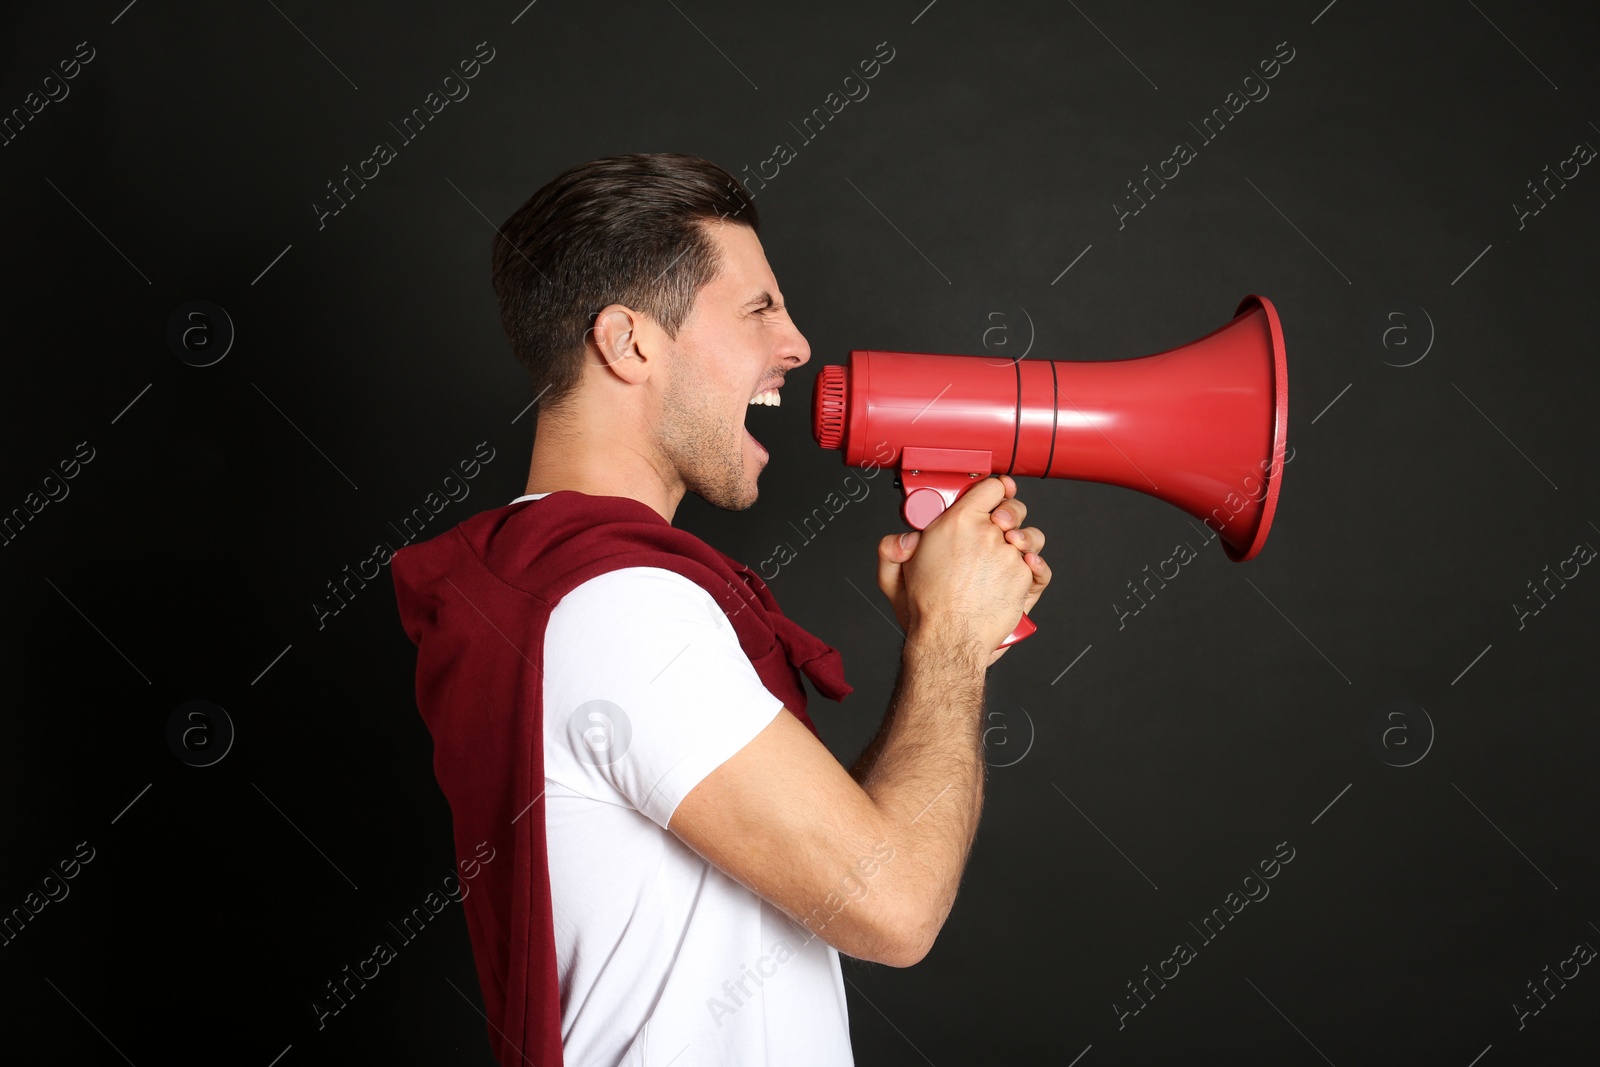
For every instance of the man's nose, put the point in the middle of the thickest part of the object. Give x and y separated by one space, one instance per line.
795 348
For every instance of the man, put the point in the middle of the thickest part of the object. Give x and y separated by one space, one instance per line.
620 704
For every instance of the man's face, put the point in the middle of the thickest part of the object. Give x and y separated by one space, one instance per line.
738 341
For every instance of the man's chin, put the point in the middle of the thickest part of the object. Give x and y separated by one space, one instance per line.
744 502
740 499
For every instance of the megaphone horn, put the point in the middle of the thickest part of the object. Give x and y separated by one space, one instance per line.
1203 426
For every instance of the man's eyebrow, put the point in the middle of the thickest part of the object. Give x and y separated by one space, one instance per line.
763 298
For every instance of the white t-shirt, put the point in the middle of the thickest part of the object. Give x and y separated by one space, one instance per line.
664 959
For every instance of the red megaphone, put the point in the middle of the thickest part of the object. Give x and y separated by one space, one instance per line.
1202 426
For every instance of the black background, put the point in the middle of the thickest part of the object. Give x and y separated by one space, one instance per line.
1127 795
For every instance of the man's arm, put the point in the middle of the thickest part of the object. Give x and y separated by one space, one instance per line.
872 868
871 863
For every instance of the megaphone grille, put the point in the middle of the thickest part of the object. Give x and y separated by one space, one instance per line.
828 412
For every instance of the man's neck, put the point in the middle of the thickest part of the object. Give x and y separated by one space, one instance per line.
571 461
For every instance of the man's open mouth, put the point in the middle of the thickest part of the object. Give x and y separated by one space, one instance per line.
764 398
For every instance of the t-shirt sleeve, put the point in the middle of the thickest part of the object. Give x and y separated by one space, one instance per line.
646 689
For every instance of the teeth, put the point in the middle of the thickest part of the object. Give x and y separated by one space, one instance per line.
770 398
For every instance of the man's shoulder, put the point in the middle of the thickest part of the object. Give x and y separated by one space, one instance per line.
663 581
640 591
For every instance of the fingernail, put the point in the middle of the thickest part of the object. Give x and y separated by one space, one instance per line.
905 541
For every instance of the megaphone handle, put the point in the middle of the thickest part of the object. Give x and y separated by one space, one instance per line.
1024 629
924 504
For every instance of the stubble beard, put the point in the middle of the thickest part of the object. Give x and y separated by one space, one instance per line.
706 449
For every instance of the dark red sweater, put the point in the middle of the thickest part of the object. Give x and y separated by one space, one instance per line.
475 601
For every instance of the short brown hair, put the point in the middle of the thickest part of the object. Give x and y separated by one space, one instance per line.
621 230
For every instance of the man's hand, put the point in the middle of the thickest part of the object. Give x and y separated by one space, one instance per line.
1008 515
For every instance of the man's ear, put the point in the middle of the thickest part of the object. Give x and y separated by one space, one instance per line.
617 341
